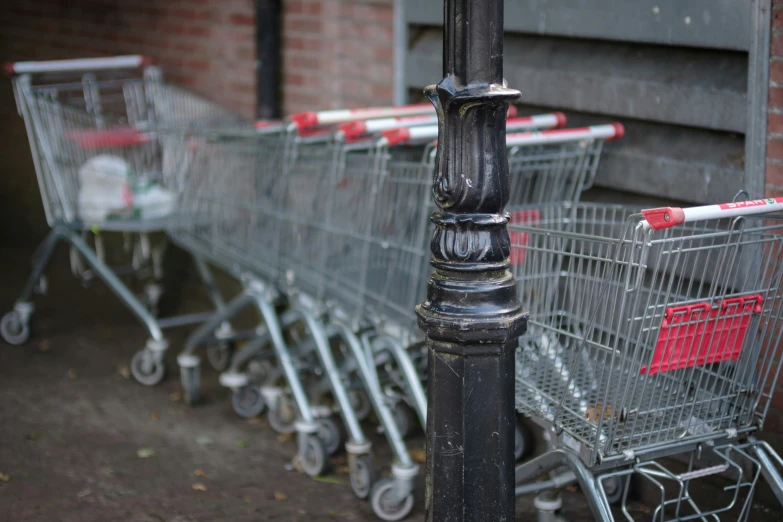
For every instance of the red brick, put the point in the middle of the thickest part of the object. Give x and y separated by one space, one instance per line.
776 97
777 44
775 148
776 72
241 19
774 174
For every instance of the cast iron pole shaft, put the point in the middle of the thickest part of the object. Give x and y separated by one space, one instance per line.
472 317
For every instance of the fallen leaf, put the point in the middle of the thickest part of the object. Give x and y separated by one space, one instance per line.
71 374
342 470
644 509
418 455
34 436
199 473
241 443
332 512
246 499
83 493
4 477
154 416
279 495
198 486
145 453
44 346
254 420
327 480
124 371
204 440
571 488
285 437
175 396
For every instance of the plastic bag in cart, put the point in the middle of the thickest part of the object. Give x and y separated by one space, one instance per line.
110 190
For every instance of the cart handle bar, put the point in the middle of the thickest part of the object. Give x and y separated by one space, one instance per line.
81 64
667 217
304 120
610 131
539 121
354 130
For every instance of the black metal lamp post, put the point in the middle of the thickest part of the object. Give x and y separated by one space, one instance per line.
472 317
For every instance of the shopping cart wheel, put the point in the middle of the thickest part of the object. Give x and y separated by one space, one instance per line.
219 355
190 376
614 488
148 368
248 402
282 415
330 434
523 440
313 459
13 329
384 503
403 417
360 403
362 476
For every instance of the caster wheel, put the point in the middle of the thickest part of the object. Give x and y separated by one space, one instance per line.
313 458
248 402
523 440
362 476
403 417
259 370
360 403
614 488
385 506
148 368
190 379
330 434
13 329
219 355
283 415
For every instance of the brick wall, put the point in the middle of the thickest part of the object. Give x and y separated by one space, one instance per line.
337 53
206 45
774 176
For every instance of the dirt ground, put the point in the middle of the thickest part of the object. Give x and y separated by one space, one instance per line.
80 441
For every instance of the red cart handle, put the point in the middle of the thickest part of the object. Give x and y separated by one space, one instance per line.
667 217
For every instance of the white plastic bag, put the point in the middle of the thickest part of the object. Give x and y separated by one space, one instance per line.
110 190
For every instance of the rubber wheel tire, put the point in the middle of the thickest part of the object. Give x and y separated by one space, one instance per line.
614 489
379 502
190 379
362 476
13 330
219 355
330 434
248 402
403 417
314 459
282 417
147 368
360 403
523 440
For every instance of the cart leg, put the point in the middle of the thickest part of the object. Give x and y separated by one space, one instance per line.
399 497
409 374
770 469
189 363
552 460
312 454
15 325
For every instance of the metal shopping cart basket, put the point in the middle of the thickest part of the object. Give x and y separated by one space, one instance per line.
651 334
105 134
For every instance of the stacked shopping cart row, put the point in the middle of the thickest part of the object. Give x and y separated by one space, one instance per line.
331 223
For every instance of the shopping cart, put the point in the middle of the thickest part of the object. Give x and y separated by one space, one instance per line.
650 334
95 128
